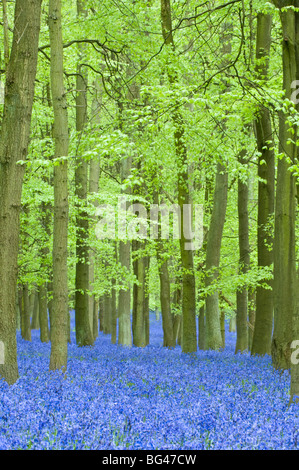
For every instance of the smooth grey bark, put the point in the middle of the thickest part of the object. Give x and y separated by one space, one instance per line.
43 313
244 259
124 297
165 301
5 34
14 140
232 324
213 333
114 304
101 313
201 267
59 318
189 339
167 324
262 334
284 284
214 237
35 311
251 316
84 336
107 314
294 389
25 314
94 176
139 329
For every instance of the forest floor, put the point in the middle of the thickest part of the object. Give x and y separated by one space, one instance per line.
152 398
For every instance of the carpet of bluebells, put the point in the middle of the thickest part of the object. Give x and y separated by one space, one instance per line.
152 398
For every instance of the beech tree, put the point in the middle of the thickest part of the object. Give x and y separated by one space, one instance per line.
189 340
14 141
84 335
59 318
261 342
285 205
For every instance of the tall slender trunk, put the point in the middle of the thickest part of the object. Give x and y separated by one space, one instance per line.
167 322
107 314
43 313
45 209
94 176
84 335
189 340
139 314
59 317
284 230
14 139
244 260
5 34
124 297
35 313
114 303
262 335
201 267
294 390
213 333
25 315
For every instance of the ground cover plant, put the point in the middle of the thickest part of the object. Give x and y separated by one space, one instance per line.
146 398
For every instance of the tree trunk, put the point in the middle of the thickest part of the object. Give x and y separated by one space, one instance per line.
25 315
232 324
95 318
213 333
294 390
35 313
244 261
251 316
165 302
214 237
84 335
139 321
94 176
59 317
107 314
201 328
222 327
5 34
261 341
201 267
284 231
101 313
43 313
114 305
167 324
124 297
189 340
14 139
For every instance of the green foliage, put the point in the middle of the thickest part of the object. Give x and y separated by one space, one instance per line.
130 105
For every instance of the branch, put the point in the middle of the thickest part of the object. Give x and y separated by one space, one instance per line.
93 42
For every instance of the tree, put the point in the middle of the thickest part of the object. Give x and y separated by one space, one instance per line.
262 335
189 340
244 262
15 133
59 318
84 335
162 260
284 229
214 238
